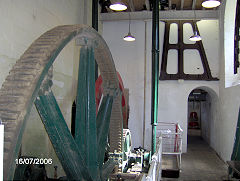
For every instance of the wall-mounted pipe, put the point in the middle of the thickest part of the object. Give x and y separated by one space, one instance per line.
155 71
95 26
1 149
95 14
145 82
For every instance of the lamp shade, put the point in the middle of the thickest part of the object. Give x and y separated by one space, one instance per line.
211 3
195 37
118 6
129 37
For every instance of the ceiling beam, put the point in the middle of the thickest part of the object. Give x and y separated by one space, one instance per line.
131 5
147 5
163 15
194 4
182 4
170 4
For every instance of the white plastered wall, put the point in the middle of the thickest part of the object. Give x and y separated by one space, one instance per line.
231 79
173 95
228 88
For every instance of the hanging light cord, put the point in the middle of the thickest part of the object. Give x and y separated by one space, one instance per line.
129 22
195 27
195 22
195 19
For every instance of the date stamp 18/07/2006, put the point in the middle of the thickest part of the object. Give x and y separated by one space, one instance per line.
34 161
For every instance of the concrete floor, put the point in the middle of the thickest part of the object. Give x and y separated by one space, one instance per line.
201 163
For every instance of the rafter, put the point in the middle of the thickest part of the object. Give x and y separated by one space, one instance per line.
170 4
131 5
194 4
164 15
182 4
180 47
147 5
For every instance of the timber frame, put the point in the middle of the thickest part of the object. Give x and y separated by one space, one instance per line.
180 47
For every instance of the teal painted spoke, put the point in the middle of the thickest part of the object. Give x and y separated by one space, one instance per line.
81 104
85 129
64 145
103 121
107 169
236 148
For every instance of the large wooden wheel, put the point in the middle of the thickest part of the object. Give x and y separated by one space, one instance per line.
28 83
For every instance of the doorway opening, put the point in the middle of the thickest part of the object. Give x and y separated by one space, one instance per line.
199 114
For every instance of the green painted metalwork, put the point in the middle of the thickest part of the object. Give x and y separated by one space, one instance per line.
155 71
107 169
28 110
81 104
236 148
103 122
65 147
127 144
88 148
85 128
95 26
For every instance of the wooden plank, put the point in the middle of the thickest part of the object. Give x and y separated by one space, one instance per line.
182 4
180 47
194 4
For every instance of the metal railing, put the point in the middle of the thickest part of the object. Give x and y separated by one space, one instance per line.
171 134
155 171
169 142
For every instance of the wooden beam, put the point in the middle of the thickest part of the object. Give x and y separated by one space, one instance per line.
182 4
194 4
169 4
131 5
163 15
180 47
147 5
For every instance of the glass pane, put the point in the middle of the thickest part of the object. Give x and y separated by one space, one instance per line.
173 33
172 62
187 33
192 62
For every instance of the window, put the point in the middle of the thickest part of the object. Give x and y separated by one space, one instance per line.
237 38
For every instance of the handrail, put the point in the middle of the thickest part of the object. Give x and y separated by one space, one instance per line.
166 123
1 149
179 127
155 170
154 173
171 134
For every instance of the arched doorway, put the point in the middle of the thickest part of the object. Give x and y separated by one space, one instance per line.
202 113
196 99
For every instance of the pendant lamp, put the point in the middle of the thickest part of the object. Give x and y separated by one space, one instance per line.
211 3
118 6
195 36
129 36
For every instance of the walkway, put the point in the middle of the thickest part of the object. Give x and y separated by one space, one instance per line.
201 162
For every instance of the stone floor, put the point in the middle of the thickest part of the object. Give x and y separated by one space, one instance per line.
201 163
